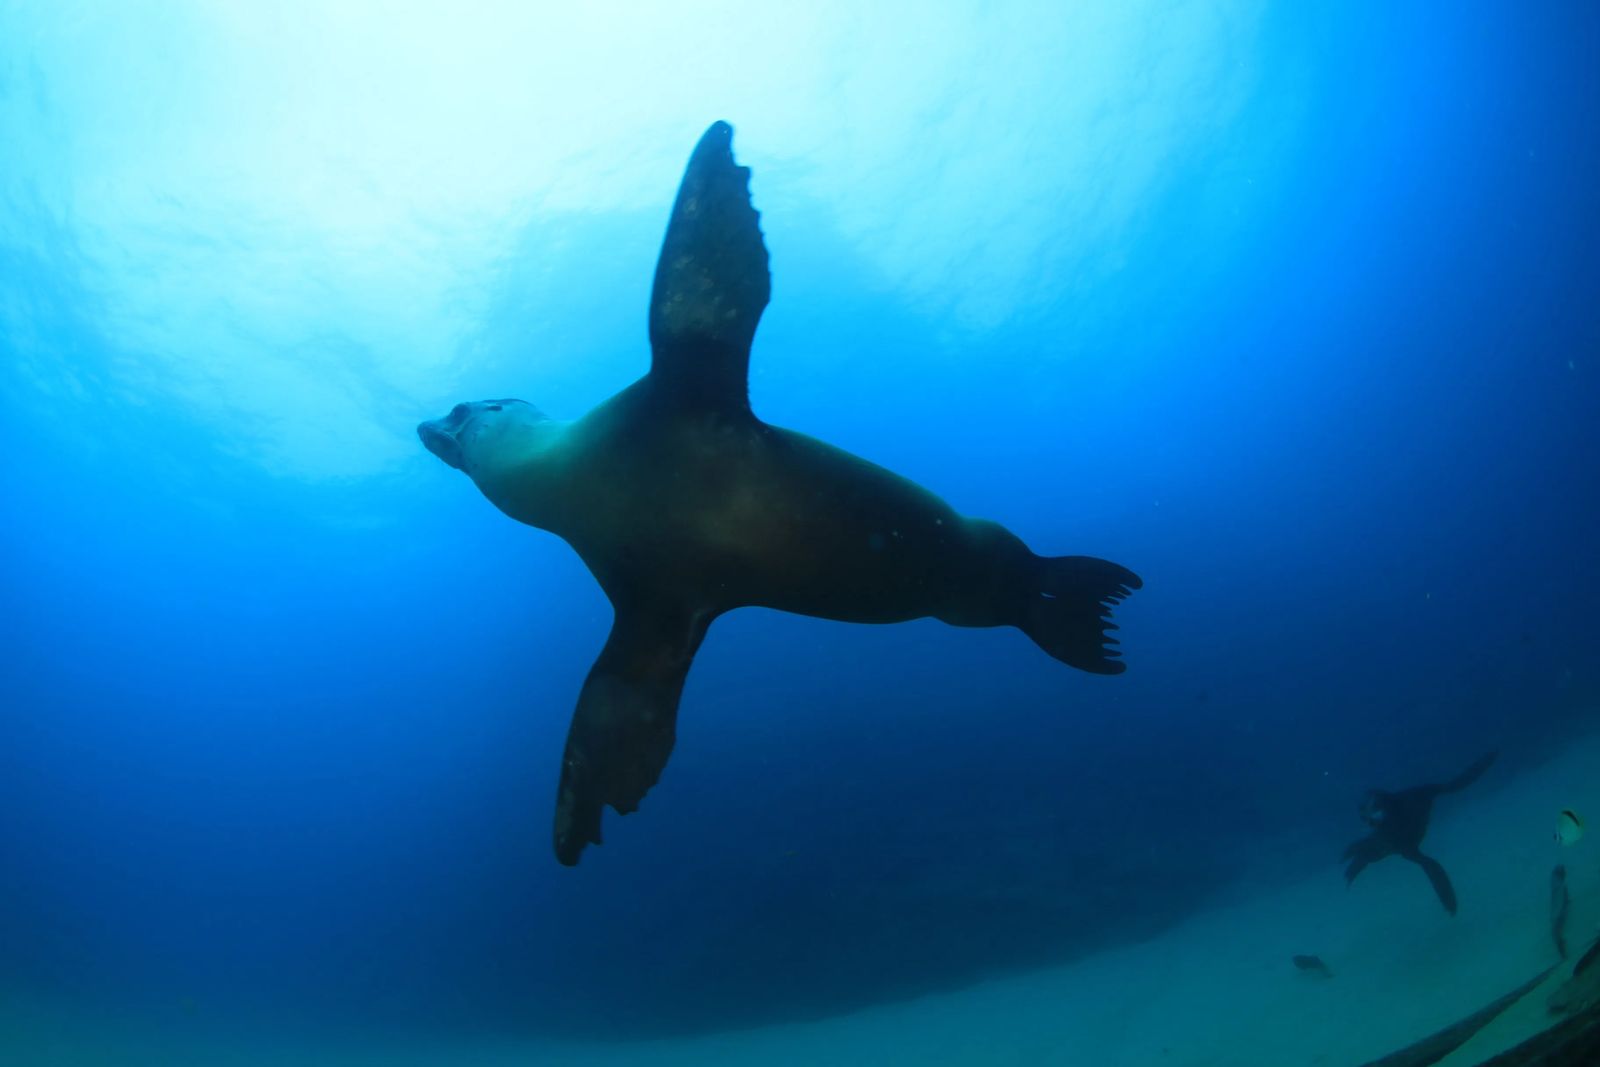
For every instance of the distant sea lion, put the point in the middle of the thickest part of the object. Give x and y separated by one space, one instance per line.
1312 965
685 505
1399 822
1560 904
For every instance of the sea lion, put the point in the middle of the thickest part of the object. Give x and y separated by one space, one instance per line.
1312 965
1560 905
685 505
1399 822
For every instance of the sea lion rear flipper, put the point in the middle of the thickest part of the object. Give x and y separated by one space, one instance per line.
1440 880
626 720
711 282
1068 614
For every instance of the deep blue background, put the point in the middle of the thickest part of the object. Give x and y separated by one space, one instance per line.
288 745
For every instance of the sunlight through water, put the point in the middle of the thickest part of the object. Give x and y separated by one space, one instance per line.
289 219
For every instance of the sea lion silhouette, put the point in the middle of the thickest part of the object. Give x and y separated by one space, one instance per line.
685 505
1399 822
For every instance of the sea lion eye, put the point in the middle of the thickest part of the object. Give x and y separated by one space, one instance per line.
492 407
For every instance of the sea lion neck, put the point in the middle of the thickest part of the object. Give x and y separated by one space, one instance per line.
523 474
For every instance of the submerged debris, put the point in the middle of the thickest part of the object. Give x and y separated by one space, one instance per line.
1581 991
1438 1045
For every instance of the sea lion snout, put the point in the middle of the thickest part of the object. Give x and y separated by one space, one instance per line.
438 437
448 437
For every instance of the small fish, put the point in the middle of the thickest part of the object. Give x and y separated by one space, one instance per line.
1568 827
1312 964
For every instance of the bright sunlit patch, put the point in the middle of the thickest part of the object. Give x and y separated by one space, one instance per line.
292 214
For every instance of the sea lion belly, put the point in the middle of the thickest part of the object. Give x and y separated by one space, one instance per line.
760 516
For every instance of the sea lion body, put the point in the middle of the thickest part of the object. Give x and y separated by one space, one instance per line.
685 505
743 514
1560 906
1399 821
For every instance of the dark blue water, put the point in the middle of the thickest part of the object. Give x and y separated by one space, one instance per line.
1292 311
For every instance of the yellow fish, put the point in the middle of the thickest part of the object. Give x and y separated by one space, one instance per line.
1568 827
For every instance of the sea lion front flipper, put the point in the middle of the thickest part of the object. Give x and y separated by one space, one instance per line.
1468 776
711 283
1440 880
626 722
1367 850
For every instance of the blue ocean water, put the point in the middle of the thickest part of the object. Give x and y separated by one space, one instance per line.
1289 308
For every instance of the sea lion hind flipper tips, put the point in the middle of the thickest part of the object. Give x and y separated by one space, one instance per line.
1069 613
625 725
711 282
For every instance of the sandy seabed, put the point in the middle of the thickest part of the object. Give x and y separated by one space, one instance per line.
1219 989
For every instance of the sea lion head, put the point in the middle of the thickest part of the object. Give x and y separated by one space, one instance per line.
1374 807
478 435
